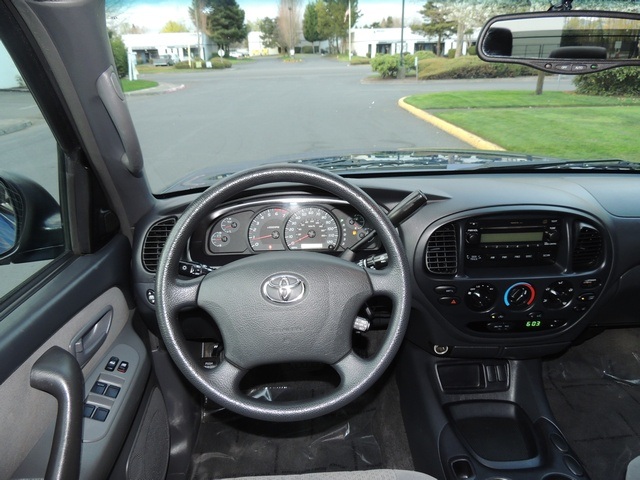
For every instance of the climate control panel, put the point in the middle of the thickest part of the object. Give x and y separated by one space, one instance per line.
501 306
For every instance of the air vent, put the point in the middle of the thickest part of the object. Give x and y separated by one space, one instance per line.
154 242
442 251
588 248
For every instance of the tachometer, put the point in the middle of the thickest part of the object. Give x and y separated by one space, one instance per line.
312 228
265 230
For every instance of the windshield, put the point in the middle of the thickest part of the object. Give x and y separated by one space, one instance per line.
214 87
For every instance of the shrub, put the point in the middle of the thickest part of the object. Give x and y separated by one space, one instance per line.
424 54
385 65
469 67
388 65
472 50
451 53
618 82
307 49
355 60
182 65
218 63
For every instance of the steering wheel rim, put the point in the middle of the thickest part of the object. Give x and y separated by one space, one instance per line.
221 384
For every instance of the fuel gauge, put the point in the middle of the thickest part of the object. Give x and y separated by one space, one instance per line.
219 239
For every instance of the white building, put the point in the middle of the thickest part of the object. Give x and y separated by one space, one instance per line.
257 48
367 42
179 46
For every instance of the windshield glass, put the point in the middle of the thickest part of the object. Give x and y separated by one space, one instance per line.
216 86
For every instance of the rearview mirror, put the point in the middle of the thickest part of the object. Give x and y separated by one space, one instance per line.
572 42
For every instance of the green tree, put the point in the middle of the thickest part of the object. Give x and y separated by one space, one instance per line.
310 25
225 22
435 24
269 32
119 53
174 27
333 21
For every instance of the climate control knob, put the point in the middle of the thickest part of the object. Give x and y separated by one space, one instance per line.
519 296
480 297
558 294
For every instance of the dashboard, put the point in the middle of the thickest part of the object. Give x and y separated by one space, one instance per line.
504 265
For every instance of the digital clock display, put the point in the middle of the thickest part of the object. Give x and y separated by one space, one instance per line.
533 324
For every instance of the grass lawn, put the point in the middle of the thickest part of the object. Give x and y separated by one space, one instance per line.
133 85
557 124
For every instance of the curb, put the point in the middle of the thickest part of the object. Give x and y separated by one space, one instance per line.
14 127
158 90
461 134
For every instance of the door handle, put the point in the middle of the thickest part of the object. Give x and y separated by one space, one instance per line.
57 373
87 342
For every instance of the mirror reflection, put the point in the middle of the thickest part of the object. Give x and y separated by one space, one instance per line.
563 36
8 226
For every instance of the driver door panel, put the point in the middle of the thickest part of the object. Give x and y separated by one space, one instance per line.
29 415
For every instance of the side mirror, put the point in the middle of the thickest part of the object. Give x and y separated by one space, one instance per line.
573 42
30 221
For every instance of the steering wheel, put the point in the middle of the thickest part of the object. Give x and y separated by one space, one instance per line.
280 307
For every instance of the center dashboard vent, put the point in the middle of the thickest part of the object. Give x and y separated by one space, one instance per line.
587 252
442 251
154 243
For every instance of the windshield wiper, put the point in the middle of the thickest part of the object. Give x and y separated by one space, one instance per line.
586 165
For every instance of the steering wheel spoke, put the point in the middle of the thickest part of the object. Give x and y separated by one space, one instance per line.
183 294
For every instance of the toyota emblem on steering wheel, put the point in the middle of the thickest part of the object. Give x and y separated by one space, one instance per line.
283 288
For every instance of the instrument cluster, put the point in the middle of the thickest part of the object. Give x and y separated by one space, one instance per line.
314 224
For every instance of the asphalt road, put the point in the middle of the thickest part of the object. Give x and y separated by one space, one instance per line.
269 110
263 110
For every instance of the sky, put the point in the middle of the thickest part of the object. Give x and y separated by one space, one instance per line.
153 15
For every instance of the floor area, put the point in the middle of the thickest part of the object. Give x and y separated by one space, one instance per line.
367 434
594 392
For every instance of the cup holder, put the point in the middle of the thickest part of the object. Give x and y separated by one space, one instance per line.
495 431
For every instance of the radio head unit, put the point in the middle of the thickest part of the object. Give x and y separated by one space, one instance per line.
500 241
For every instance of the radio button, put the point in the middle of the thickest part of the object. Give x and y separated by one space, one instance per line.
590 283
472 238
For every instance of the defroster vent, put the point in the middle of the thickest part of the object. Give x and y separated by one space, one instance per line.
587 252
154 242
442 251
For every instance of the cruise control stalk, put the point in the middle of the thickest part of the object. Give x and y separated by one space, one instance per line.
398 214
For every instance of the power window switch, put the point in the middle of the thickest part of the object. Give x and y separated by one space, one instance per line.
112 391
88 410
100 414
99 388
123 367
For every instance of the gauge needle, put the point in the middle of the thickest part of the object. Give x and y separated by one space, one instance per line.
299 239
262 237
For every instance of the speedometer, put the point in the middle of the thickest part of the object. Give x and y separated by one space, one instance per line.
312 228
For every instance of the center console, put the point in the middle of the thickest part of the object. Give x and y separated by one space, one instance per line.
496 290
481 419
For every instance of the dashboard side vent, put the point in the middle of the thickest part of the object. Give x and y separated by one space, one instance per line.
154 242
442 251
588 248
